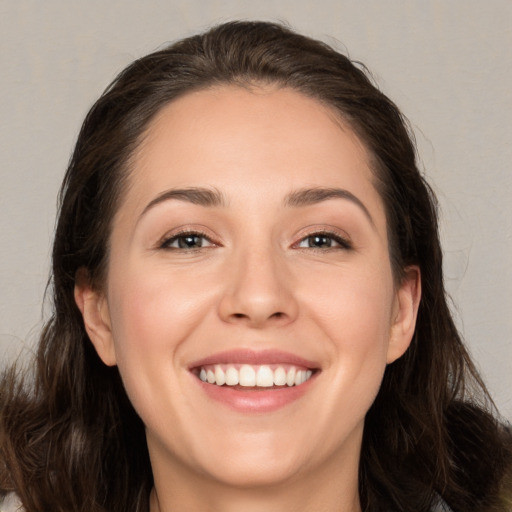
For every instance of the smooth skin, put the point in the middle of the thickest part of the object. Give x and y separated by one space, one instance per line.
245 266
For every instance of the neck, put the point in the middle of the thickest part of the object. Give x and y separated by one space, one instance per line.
255 500
331 488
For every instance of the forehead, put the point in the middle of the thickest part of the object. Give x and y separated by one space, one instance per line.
266 139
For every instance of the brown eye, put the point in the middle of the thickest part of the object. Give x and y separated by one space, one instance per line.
319 241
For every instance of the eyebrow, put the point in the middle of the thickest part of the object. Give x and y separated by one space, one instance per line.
298 198
195 195
311 196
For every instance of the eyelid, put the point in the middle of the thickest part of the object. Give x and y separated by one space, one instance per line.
163 242
338 235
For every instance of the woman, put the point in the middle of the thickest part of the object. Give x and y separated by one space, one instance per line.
249 303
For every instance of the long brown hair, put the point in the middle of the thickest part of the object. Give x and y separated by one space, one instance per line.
70 439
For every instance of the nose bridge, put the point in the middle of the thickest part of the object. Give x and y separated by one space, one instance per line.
258 289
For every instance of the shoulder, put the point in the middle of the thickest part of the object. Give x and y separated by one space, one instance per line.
10 503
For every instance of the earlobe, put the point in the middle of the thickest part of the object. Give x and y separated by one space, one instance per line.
95 313
408 298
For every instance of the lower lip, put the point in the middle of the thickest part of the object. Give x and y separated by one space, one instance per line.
255 400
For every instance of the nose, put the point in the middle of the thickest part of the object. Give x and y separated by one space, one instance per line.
258 291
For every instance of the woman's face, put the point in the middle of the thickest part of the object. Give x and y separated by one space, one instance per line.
251 247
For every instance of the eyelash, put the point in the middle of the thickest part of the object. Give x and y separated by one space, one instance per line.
342 243
166 242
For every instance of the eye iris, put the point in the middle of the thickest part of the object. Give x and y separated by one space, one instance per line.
190 241
319 241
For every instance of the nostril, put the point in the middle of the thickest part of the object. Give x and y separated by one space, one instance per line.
276 315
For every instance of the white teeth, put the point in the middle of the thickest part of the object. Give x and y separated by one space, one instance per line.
210 377
220 376
279 376
247 375
232 376
265 377
290 377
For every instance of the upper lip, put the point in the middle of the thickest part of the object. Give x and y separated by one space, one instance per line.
253 357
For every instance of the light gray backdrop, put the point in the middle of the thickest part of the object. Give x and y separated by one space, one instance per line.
447 64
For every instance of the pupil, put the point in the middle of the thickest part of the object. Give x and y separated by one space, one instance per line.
189 241
319 241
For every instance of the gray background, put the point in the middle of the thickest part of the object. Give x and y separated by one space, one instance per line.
447 64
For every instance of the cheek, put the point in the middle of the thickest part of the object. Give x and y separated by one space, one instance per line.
354 312
150 307
355 307
152 316
350 313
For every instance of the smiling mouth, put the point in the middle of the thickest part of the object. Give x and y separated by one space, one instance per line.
263 376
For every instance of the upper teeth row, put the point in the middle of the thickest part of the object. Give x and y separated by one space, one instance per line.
250 376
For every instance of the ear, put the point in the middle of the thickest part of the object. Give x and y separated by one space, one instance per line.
405 312
94 308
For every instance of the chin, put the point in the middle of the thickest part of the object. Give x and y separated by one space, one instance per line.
254 474
251 461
